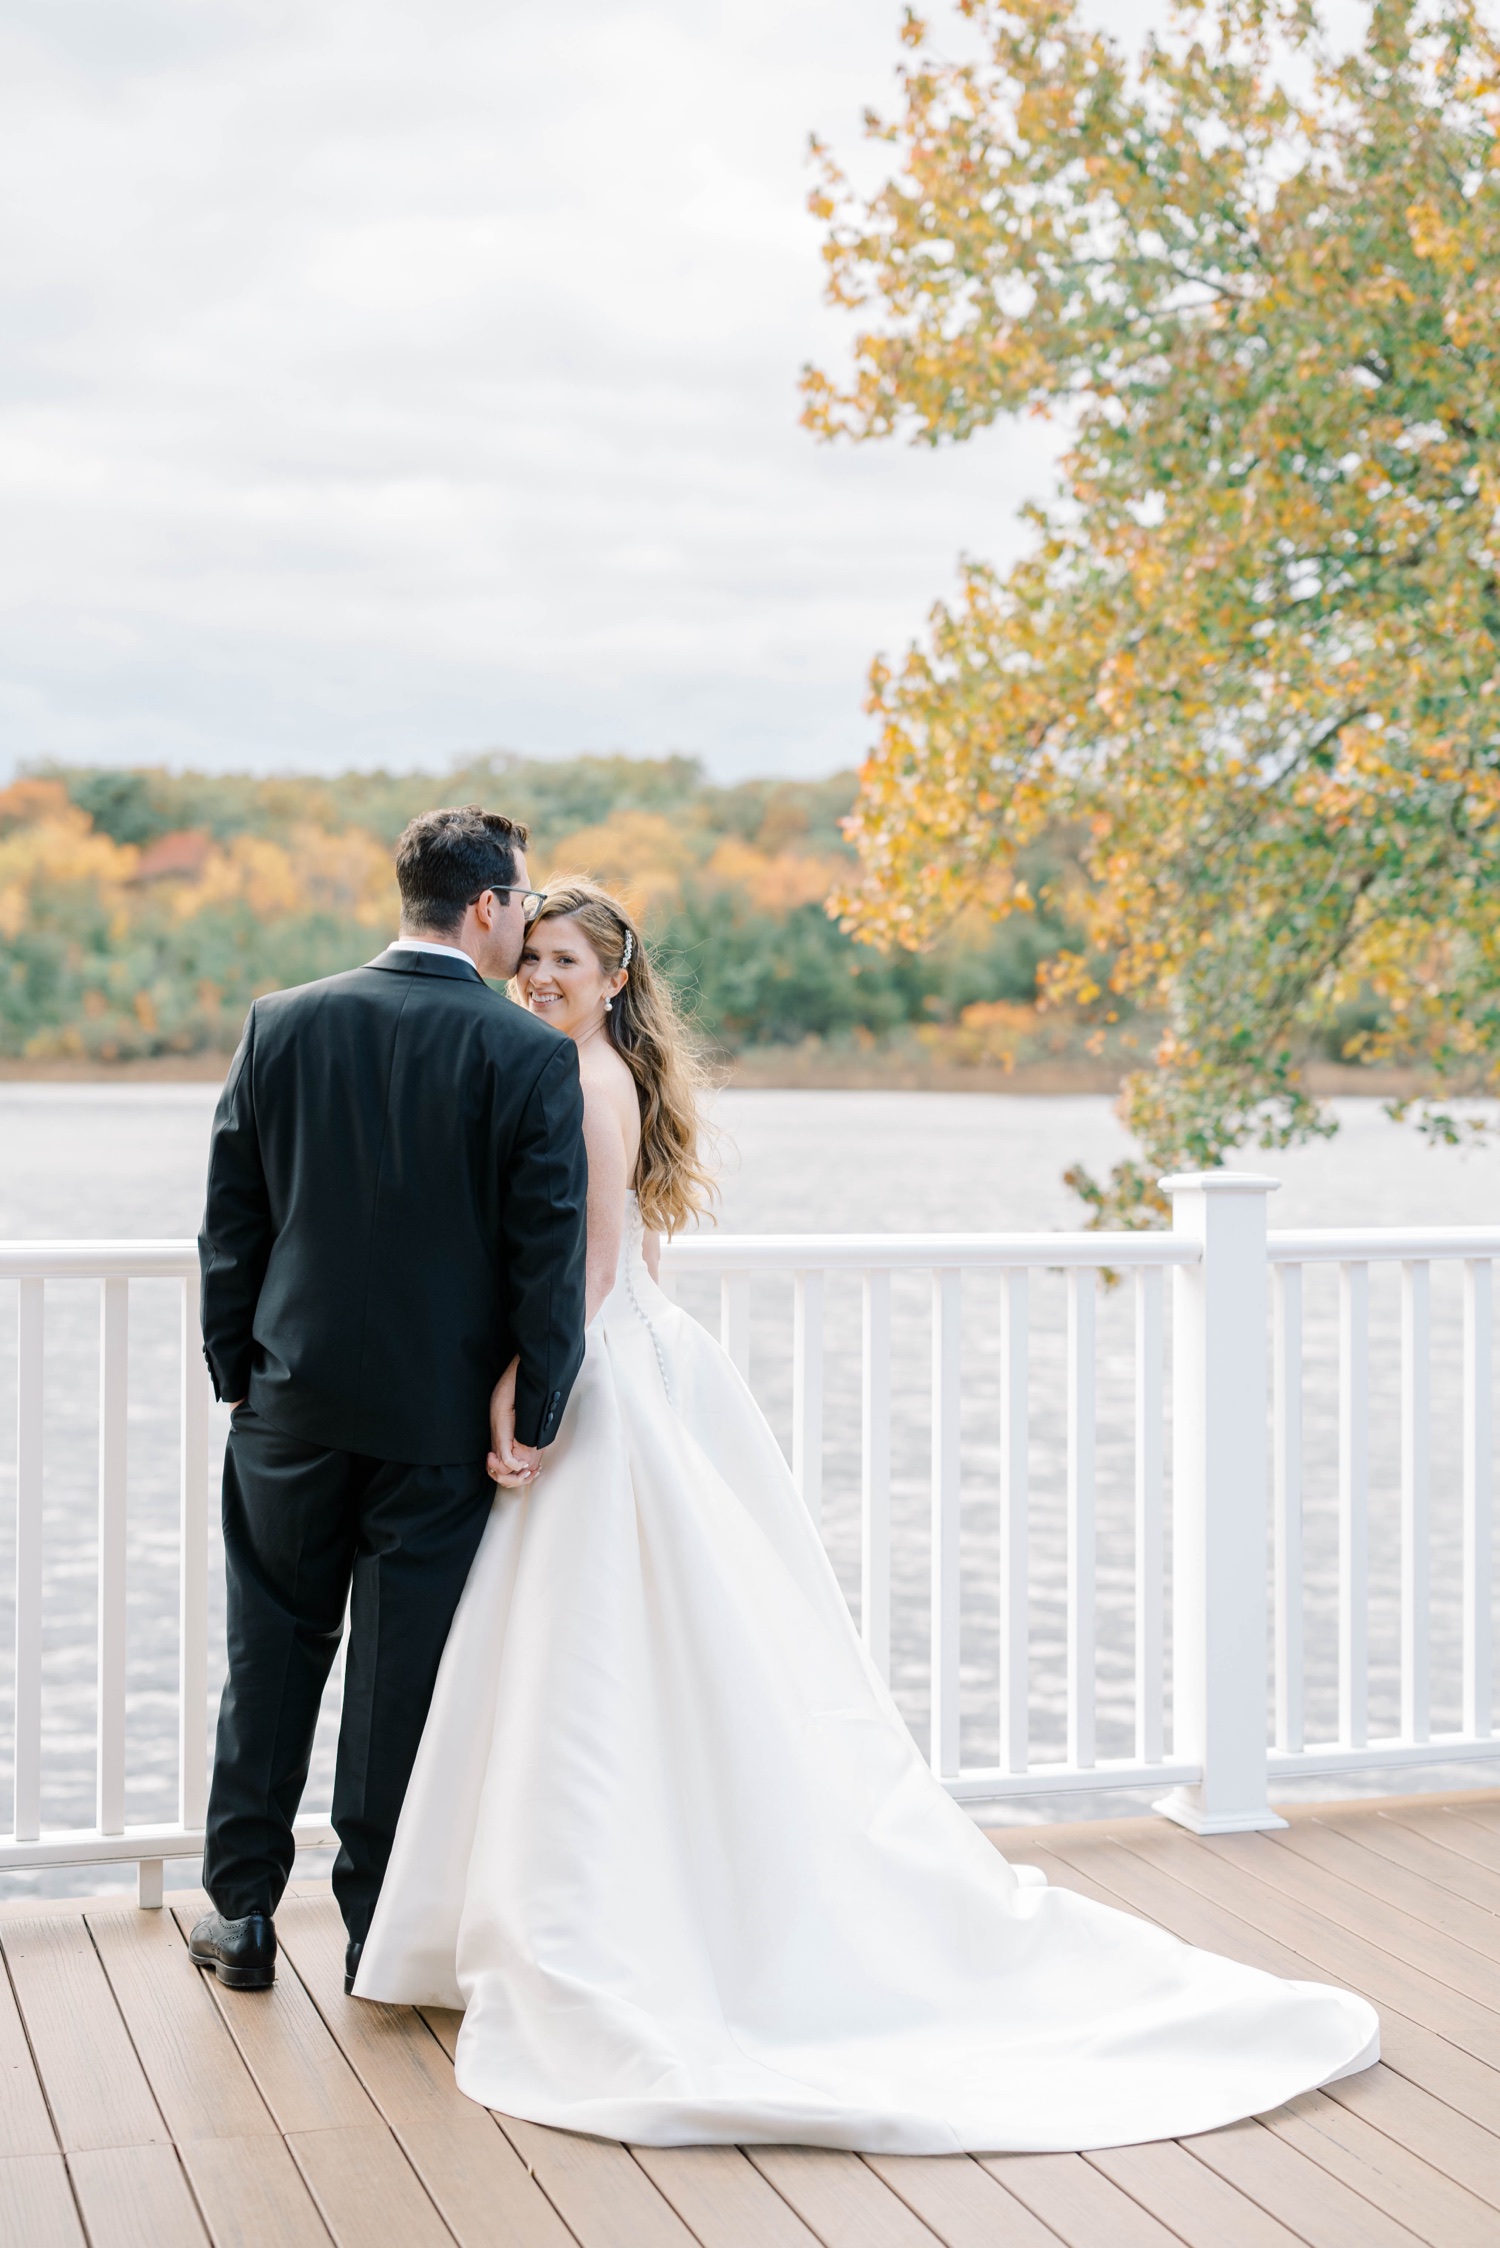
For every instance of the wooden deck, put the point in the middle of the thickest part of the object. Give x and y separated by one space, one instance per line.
144 2107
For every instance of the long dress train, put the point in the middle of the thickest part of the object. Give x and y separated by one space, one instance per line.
671 1848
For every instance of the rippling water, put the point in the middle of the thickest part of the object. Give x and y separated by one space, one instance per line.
127 1161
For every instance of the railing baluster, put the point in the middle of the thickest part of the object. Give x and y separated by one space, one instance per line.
875 1472
1354 1504
192 1589
947 1313
1478 1482
807 1391
1416 1485
27 1819
1286 1391
734 1320
1149 1562
114 1374
1081 1540
1015 1584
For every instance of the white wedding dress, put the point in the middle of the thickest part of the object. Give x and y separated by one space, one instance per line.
671 1848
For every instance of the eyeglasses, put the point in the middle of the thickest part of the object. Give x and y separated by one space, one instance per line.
532 901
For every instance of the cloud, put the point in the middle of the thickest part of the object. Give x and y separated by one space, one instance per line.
383 382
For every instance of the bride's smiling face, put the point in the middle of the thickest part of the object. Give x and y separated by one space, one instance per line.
560 977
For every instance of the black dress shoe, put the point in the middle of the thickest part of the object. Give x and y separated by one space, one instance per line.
351 1965
242 1953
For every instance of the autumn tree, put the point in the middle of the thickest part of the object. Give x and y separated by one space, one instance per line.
1252 650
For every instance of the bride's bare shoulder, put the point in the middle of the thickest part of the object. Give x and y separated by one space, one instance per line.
608 1087
601 1069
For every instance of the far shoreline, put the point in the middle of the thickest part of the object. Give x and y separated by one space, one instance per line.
767 1069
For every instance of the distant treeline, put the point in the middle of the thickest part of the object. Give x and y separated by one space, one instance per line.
141 911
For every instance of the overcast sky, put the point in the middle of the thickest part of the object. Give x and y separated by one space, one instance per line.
386 380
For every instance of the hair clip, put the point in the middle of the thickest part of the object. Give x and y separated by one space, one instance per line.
629 953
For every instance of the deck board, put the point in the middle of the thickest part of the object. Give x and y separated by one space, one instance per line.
1379 1922
722 2198
1080 2204
201 2084
958 2200
1433 2207
1411 2117
135 2197
25 2125
598 2189
367 2192
284 2042
1482 1806
87 2065
241 2174
251 2193
1344 1856
1287 2185
1192 2200
36 2202
1435 1867
475 2179
840 2198
343 2160
1334 1951
1426 2059
1468 1838
143 2106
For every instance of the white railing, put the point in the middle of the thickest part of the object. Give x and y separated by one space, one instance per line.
114 1265
1414 1251
1233 1346
808 1260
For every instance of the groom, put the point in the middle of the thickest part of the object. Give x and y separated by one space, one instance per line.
394 1232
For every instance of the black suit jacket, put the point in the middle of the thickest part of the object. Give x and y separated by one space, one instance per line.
396 1207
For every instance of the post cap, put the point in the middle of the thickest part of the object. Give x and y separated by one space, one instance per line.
1219 1182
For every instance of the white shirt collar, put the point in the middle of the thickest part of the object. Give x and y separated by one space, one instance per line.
422 944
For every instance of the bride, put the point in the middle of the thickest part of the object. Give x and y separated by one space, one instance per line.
668 1843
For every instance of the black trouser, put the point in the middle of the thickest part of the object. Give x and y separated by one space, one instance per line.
301 1525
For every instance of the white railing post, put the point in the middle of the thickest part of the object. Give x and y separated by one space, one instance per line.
947 1314
27 1818
1416 1492
734 1320
1219 1521
1286 1416
192 1588
807 1390
1082 1537
1354 1505
1015 1585
114 1377
875 1473
1149 1565
1478 1530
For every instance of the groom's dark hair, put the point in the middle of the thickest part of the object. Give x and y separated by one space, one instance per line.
444 860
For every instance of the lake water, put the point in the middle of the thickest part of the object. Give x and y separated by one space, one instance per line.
127 1161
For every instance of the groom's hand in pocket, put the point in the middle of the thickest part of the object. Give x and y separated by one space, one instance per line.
513 1466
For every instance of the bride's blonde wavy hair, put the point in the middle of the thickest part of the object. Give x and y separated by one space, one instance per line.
673 1183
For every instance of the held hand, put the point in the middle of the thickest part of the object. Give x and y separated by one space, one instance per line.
526 1467
513 1466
